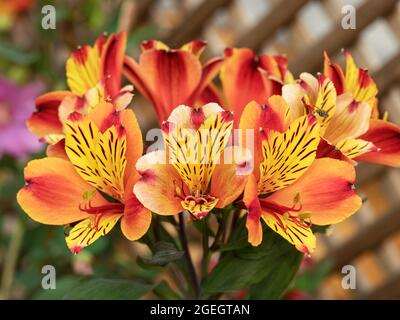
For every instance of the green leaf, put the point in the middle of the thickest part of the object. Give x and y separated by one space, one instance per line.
277 281
108 289
164 291
164 252
310 280
247 266
63 286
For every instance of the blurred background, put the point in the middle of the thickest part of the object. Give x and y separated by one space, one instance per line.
32 61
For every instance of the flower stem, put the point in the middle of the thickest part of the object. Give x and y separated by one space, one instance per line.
185 248
206 250
10 261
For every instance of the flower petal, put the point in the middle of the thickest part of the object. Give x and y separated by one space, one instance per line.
294 231
274 115
242 80
54 191
350 120
89 230
235 168
335 73
168 77
353 148
99 158
326 191
45 120
386 137
83 69
253 223
136 219
288 155
111 61
157 188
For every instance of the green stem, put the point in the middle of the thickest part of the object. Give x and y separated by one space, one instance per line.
206 250
185 248
10 261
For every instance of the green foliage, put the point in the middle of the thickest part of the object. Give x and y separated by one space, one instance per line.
107 289
164 253
266 270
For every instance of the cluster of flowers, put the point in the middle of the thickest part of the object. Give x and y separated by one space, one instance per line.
295 169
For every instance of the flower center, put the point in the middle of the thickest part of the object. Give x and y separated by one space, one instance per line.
200 205
101 211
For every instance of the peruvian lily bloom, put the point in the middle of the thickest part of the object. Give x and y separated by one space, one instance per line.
16 105
88 187
196 172
171 77
290 189
357 83
93 76
246 77
342 119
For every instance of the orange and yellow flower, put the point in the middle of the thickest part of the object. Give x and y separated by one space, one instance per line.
93 76
192 173
171 77
88 186
290 189
346 109
358 93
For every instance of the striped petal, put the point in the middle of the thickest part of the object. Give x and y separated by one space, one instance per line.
83 69
194 153
99 158
274 115
359 83
353 148
386 137
288 155
325 105
292 229
89 230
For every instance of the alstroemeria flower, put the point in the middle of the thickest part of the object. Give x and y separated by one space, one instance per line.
93 76
246 77
290 189
16 104
89 186
342 118
171 77
357 83
196 172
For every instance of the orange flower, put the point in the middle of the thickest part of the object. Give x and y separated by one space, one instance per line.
246 77
93 76
290 189
89 186
359 90
197 172
171 77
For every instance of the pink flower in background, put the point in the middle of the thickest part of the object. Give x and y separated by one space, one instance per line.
16 106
